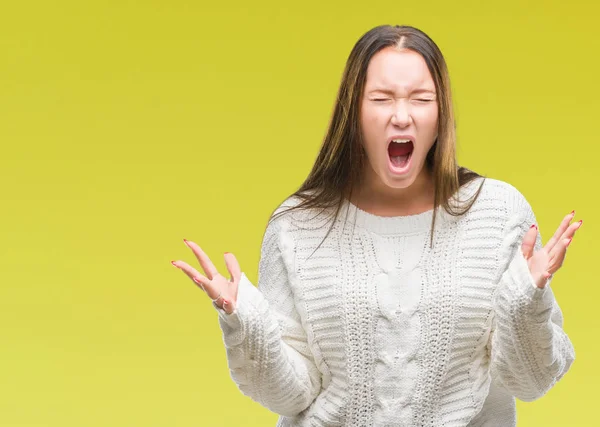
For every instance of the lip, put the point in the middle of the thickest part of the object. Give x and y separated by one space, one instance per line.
412 138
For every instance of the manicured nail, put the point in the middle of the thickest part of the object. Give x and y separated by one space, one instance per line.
174 265
573 212
225 253
580 223
186 242
533 226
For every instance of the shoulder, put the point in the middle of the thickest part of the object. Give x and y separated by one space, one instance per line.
500 217
505 198
512 198
509 208
491 187
283 218
290 202
302 213
500 207
286 213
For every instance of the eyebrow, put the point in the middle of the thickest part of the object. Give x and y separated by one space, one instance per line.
422 90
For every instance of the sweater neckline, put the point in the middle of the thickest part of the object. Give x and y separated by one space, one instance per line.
400 224
406 224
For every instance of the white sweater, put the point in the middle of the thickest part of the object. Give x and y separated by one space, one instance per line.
378 329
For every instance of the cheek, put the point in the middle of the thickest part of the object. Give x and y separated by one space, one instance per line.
428 121
369 119
372 125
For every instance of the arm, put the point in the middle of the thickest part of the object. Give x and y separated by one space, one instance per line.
267 348
530 351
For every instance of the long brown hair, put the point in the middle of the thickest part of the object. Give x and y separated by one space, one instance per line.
337 169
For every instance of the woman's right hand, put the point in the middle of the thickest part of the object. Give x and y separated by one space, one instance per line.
220 290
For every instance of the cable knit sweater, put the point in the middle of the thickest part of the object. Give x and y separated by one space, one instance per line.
375 328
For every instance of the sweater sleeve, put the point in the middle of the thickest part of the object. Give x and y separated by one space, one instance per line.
268 354
530 351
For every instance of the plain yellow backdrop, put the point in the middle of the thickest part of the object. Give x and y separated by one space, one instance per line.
127 126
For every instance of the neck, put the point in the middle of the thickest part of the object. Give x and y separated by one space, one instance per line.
376 197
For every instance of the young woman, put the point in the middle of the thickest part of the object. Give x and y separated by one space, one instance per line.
395 288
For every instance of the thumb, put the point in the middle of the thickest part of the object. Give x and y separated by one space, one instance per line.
233 267
529 241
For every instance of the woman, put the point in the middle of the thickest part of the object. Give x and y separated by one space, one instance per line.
395 288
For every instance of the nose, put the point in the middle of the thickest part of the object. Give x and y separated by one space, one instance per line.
401 114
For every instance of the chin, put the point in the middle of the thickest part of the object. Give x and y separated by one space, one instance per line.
399 183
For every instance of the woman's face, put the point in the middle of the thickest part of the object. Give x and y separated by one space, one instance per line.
399 102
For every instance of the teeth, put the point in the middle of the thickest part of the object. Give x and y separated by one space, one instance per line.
401 141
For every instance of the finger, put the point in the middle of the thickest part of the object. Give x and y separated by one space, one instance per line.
203 282
529 241
233 267
559 254
207 265
208 286
567 236
561 231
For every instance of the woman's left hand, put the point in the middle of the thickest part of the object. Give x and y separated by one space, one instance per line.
545 262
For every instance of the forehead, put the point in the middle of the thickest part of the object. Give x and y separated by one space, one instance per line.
394 69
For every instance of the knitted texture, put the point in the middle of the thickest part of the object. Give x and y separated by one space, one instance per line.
373 327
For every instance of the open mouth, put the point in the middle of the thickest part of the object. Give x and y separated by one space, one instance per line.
400 153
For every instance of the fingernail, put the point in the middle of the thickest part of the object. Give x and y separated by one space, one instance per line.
186 242
533 227
580 222
173 262
573 212
225 253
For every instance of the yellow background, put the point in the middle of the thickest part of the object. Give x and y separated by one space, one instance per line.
127 126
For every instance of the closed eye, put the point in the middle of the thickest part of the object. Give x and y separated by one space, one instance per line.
422 100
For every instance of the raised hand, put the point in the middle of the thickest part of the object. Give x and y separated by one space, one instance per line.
222 291
545 262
